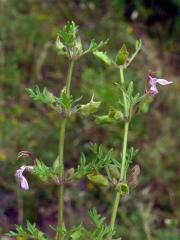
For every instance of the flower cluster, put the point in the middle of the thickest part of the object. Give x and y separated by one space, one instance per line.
153 82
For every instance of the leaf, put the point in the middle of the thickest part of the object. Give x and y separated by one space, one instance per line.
77 232
61 48
138 45
68 33
96 218
130 88
122 55
78 49
145 103
93 47
103 57
64 100
101 158
130 155
45 96
43 172
82 159
30 232
101 231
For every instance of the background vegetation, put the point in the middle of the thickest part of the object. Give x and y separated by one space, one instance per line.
28 57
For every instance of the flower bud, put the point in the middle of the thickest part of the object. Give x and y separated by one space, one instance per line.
115 114
89 108
122 55
104 119
98 179
113 171
112 117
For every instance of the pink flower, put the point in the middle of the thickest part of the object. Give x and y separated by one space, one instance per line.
21 179
153 88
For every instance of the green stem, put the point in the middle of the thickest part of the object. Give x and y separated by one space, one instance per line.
124 95
115 208
122 175
61 172
61 157
123 161
69 77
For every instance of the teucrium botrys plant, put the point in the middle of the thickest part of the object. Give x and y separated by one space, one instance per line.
103 169
128 106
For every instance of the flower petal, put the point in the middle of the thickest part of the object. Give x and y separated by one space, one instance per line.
24 184
20 171
21 179
152 81
163 81
153 90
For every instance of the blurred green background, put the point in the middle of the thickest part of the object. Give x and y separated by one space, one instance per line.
28 31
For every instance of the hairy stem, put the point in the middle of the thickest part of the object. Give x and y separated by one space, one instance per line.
69 77
115 208
122 175
61 157
124 95
123 160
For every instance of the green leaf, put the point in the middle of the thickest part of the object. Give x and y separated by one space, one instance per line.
145 103
93 47
61 48
138 45
43 96
122 55
30 232
78 49
101 231
130 89
56 164
43 172
101 158
103 57
65 100
67 35
96 218
130 155
78 232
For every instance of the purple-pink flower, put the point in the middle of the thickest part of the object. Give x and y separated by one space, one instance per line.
153 82
21 179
